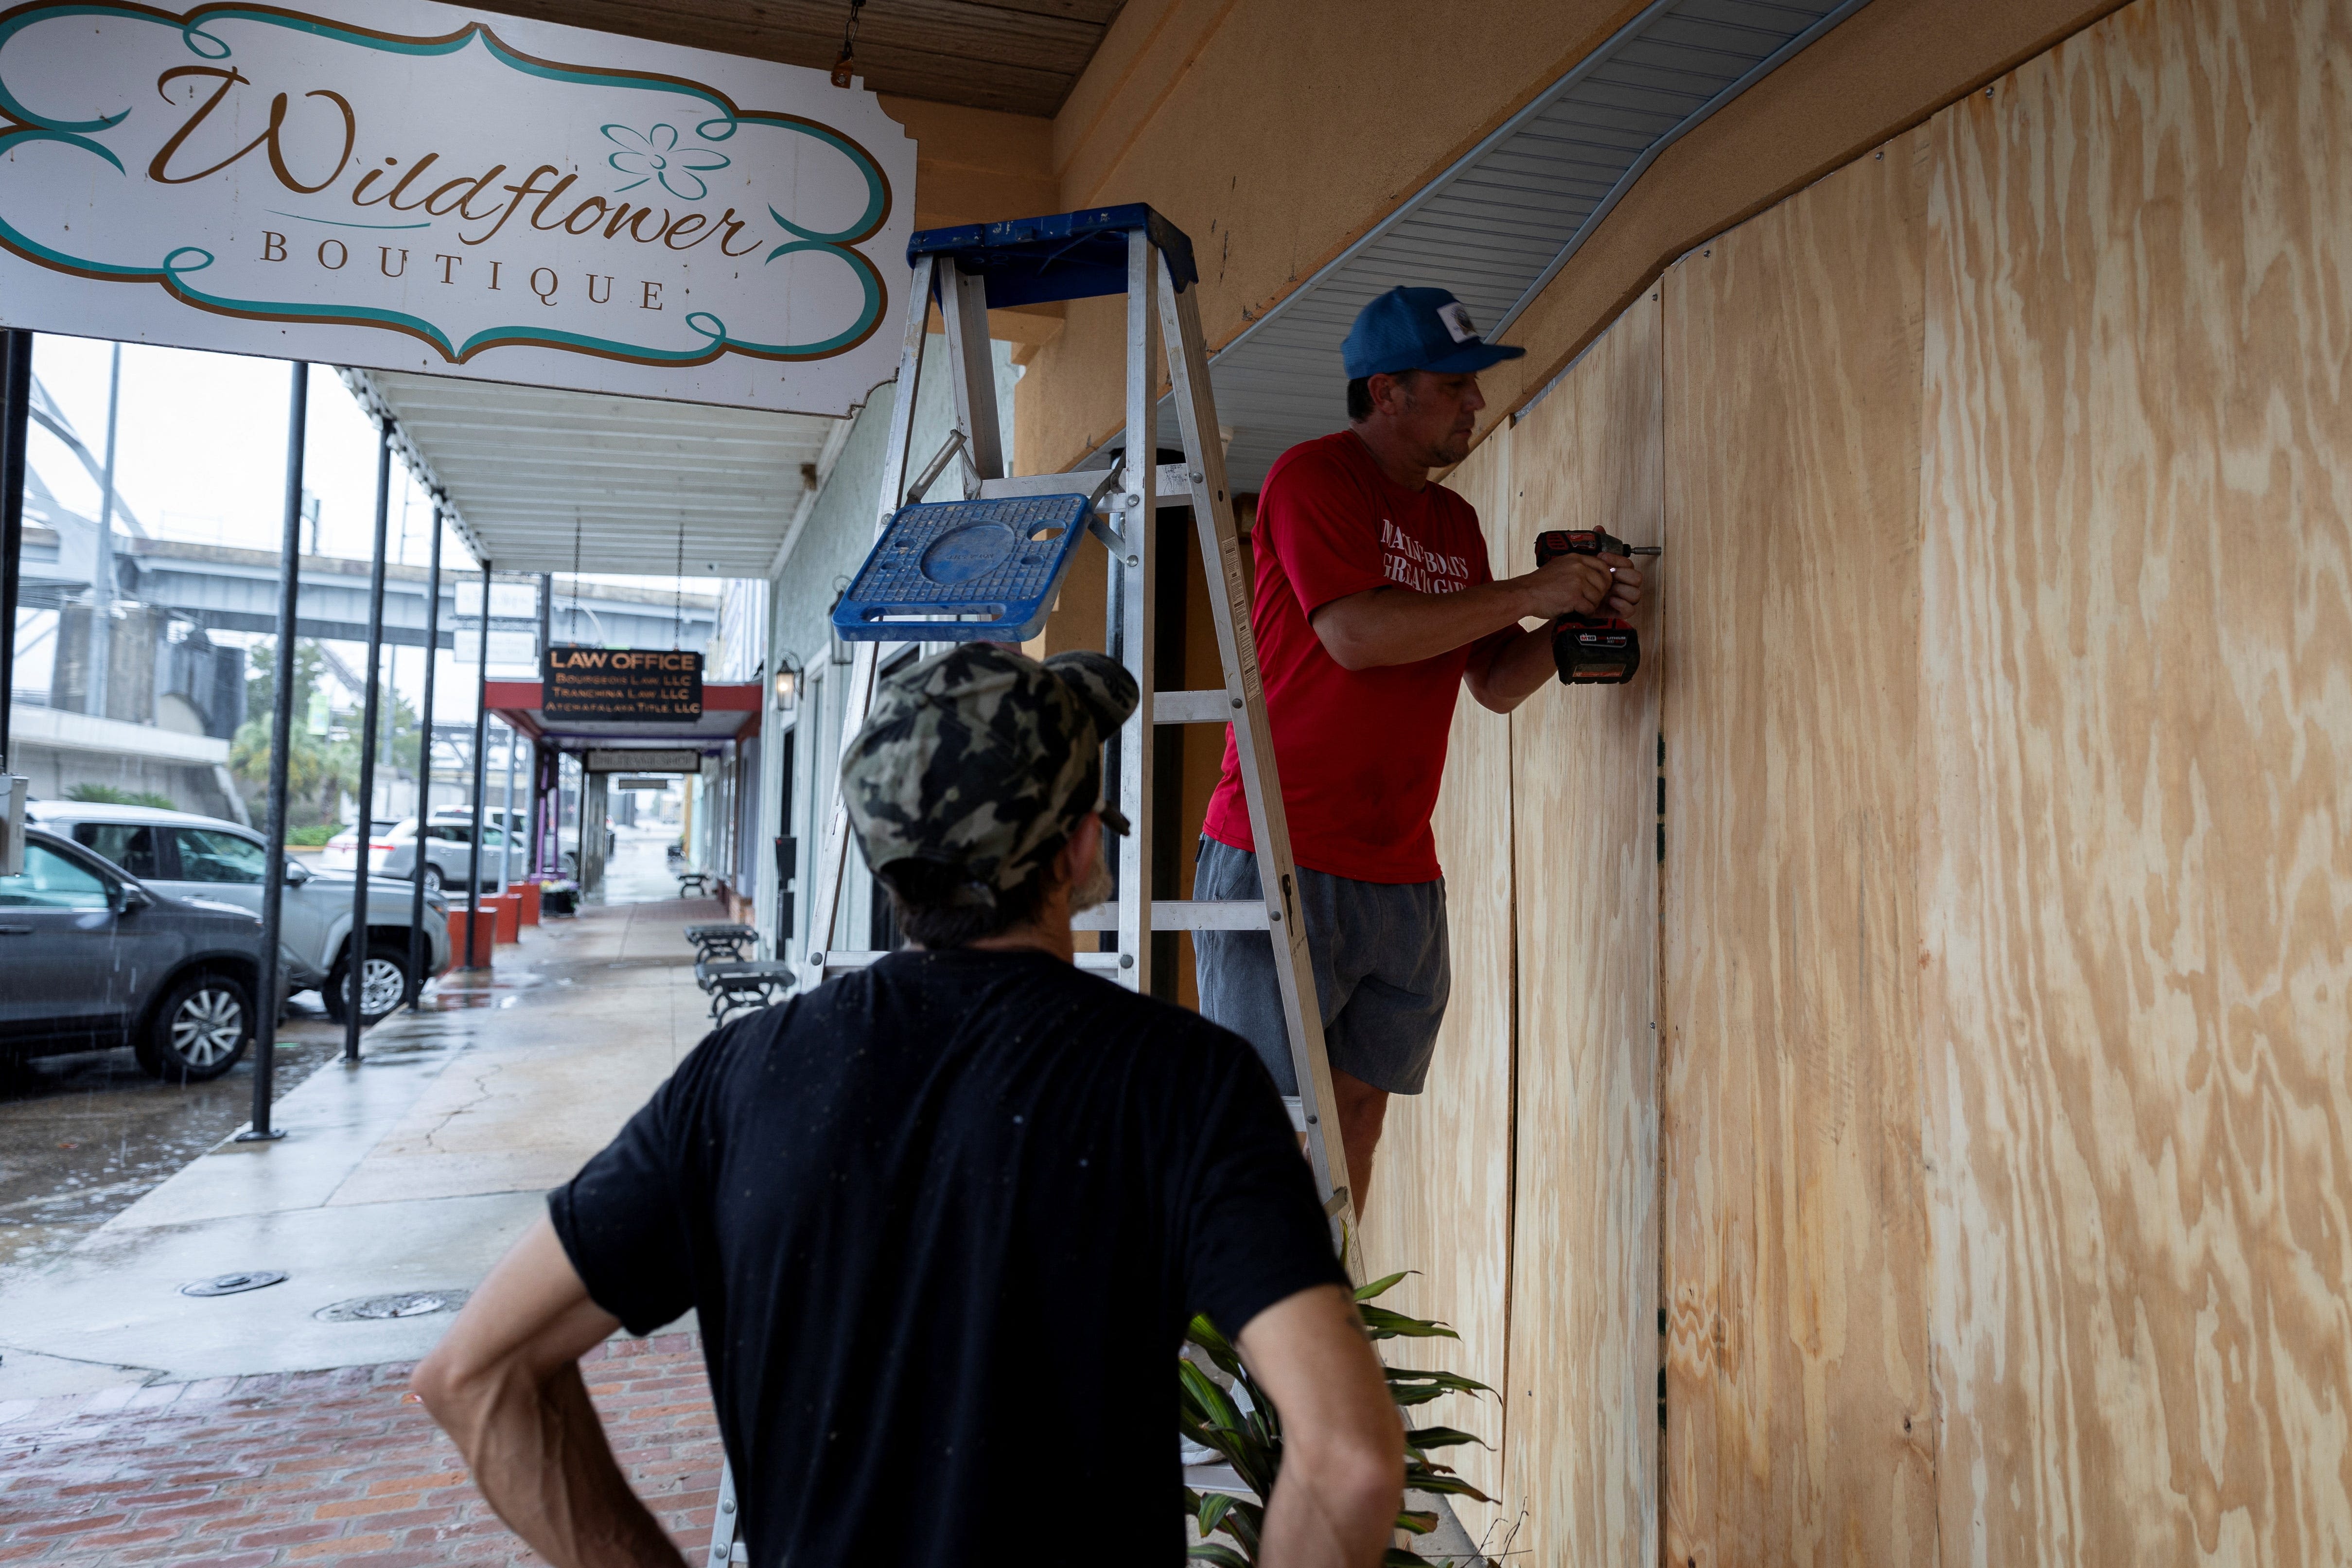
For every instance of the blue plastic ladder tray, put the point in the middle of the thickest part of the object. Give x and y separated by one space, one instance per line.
964 571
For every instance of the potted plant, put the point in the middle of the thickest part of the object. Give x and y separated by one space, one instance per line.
1247 1433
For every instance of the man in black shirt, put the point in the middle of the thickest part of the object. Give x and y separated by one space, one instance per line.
942 1222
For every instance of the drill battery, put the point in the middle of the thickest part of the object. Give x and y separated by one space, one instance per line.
1591 650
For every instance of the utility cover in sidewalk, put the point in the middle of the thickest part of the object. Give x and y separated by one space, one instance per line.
230 1284
408 1304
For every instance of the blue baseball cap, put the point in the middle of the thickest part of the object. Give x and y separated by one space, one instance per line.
1418 328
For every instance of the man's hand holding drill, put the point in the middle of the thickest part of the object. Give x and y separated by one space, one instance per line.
1581 585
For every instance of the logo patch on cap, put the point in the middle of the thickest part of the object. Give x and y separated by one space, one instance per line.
1457 321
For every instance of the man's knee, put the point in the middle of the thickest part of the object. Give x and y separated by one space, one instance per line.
1362 1108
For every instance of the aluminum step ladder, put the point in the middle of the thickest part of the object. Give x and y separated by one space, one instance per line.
967 271
1134 251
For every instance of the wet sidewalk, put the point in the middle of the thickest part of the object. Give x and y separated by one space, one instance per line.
408 1175
323 1468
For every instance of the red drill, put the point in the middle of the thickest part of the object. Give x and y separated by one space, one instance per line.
1591 650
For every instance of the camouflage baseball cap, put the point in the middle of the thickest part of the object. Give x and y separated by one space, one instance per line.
984 759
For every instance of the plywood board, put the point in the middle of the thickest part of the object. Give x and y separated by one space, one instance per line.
1583 1425
1799 1410
1441 1198
2135 708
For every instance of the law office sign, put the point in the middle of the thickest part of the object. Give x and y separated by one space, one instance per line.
582 683
413 186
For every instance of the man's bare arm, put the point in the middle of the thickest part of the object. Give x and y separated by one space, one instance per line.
1335 1502
1401 626
504 1382
1512 672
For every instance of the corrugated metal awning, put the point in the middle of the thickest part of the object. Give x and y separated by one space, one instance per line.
544 481
1501 223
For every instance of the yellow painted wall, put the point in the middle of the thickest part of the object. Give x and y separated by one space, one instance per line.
1275 132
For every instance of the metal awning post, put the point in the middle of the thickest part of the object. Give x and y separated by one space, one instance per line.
506 818
535 854
15 418
281 726
424 763
481 721
356 945
102 587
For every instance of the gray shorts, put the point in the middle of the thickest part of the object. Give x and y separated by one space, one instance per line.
1383 970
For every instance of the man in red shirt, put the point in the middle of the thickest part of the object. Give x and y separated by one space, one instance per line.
1374 604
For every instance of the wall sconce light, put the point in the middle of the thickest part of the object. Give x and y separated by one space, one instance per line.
839 652
788 684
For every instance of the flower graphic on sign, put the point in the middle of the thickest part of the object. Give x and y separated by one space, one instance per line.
654 154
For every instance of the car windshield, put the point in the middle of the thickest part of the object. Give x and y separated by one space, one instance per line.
129 845
50 881
207 855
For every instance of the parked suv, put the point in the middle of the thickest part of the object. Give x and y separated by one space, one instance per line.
91 959
188 856
448 852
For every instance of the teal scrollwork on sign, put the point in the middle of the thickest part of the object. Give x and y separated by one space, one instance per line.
650 152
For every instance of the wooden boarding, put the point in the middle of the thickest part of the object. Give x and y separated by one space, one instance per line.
2135 859
1582 1432
1800 1420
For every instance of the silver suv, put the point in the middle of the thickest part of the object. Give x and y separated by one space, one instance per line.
188 856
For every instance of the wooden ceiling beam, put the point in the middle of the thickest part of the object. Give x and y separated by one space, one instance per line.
1020 55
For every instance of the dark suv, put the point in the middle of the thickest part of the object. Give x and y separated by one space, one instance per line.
88 955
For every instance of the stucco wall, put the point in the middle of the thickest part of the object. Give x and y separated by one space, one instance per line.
832 542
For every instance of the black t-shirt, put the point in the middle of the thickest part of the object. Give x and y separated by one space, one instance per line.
944 1222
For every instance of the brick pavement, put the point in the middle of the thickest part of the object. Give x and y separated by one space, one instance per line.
319 1468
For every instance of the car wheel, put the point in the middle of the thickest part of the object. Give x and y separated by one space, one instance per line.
432 878
384 985
199 1029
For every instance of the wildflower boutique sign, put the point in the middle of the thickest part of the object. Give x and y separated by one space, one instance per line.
412 186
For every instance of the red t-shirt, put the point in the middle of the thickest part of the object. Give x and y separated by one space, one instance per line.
1361 752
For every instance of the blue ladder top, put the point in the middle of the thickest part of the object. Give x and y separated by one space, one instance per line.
1064 256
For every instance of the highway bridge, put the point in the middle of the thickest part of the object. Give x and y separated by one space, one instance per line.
224 588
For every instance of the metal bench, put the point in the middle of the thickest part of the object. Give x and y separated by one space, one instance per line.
742 982
721 940
693 882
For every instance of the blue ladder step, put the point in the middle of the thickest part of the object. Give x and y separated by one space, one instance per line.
964 571
1061 255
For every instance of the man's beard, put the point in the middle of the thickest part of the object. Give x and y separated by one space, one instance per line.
1093 890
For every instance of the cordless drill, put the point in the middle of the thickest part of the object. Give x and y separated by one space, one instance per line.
1591 650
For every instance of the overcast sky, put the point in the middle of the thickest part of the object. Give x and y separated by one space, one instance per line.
200 455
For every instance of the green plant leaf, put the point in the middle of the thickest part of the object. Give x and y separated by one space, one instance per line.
1448 1485
1442 1437
1220 1350
1382 1286
1412 1385
1383 1325
1200 1393
1221 1554
1418 1524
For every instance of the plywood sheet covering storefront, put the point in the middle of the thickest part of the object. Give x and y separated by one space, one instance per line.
1441 1194
1799 1422
1583 1429
2135 726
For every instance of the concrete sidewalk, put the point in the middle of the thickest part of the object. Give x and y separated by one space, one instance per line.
410 1173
